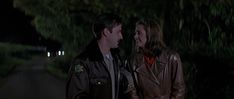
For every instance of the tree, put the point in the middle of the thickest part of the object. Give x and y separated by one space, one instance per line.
70 21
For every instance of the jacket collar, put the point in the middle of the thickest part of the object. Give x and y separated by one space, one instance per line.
141 67
93 52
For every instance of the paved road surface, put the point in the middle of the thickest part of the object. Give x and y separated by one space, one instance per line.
31 81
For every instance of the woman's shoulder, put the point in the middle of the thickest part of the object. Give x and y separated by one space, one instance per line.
170 53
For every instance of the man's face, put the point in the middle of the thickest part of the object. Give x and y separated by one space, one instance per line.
140 36
115 36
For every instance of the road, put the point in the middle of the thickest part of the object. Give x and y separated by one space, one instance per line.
31 81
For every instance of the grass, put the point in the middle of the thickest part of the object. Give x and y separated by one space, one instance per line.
12 55
58 66
10 64
56 72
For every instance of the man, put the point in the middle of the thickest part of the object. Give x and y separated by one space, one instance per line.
95 73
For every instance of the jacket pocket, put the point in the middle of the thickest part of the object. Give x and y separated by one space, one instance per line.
100 88
98 81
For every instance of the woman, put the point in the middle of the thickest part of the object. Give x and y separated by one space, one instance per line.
156 70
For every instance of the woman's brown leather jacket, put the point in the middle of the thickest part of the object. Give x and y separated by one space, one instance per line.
162 80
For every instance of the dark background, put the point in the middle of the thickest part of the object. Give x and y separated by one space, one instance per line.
16 27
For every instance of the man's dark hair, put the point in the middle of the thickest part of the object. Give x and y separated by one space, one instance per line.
105 20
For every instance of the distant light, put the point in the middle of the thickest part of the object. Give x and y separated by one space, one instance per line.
62 52
48 54
59 53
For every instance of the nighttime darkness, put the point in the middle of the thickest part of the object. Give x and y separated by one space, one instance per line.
16 27
40 40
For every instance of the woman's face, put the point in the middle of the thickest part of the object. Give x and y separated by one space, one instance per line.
140 35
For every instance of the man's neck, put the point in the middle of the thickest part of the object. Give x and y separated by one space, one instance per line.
103 47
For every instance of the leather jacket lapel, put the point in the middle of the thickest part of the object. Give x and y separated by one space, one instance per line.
146 72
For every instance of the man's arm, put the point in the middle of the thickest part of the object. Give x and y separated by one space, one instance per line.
128 85
78 83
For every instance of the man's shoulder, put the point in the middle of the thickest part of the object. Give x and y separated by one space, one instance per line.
79 64
81 58
83 55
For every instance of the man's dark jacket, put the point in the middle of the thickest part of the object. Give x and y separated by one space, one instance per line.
89 77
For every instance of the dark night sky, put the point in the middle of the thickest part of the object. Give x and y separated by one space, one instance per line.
16 27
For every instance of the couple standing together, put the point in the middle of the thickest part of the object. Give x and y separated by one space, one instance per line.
152 71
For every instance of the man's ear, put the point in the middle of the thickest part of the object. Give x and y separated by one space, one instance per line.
105 31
